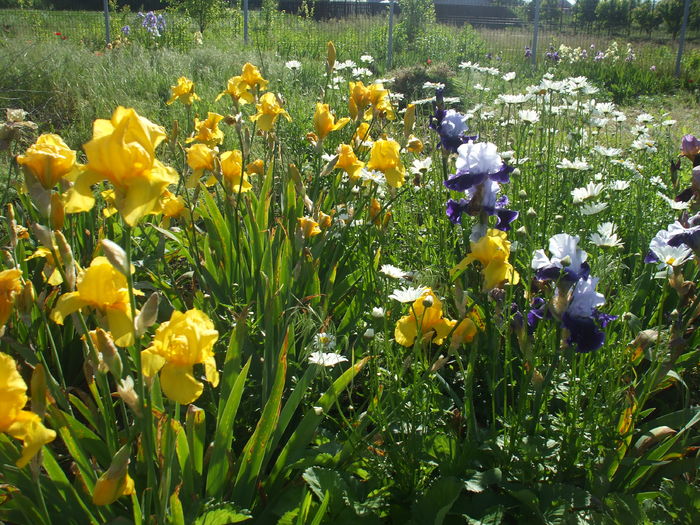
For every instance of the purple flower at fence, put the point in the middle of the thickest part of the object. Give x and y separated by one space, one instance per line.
528 52
126 30
652 68
599 56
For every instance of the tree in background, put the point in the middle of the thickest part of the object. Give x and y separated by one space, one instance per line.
415 16
613 14
201 11
646 16
585 12
671 12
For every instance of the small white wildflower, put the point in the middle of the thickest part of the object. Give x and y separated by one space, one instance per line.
324 341
619 185
678 206
367 59
529 116
645 118
590 191
607 152
578 164
593 208
606 236
378 312
408 295
326 358
393 272
509 77
293 65
433 85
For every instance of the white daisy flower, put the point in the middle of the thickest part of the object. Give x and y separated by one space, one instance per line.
678 206
593 208
393 272
433 85
606 236
645 118
607 152
578 164
529 116
408 295
619 185
509 77
326 358
590 191
293 65
367 59
324 341
378 312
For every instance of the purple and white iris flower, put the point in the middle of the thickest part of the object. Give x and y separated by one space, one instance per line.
576 301
582 318
480 170
674 246
451 128
567 260
690 148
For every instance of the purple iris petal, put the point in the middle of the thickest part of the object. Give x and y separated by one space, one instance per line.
603 319
548 273
463 180
584 333
536 313
455 210
690 237
651 258
502 201
505 218
502 175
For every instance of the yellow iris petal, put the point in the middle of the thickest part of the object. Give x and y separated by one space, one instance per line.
179 384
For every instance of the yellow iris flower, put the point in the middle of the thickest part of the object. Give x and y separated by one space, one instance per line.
10 287
426 319
385 157
115 482
20 424
187 339
239 90
207 131
348 162
251 76
183 91
122 151
492 251
103 288
324 121
235 179
308 227
268 110
48 160
200 157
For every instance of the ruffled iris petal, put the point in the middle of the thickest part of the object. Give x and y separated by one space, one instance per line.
179 384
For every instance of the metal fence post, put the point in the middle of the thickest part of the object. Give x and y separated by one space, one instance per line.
108 37
390 44
535 31
245 21
681 41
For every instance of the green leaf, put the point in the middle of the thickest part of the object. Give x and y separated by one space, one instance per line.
304 432
251 460
217 473
479 481
223 514
433 507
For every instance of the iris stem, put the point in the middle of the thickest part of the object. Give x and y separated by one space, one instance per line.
147 421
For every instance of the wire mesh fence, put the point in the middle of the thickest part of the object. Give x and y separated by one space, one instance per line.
464 32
